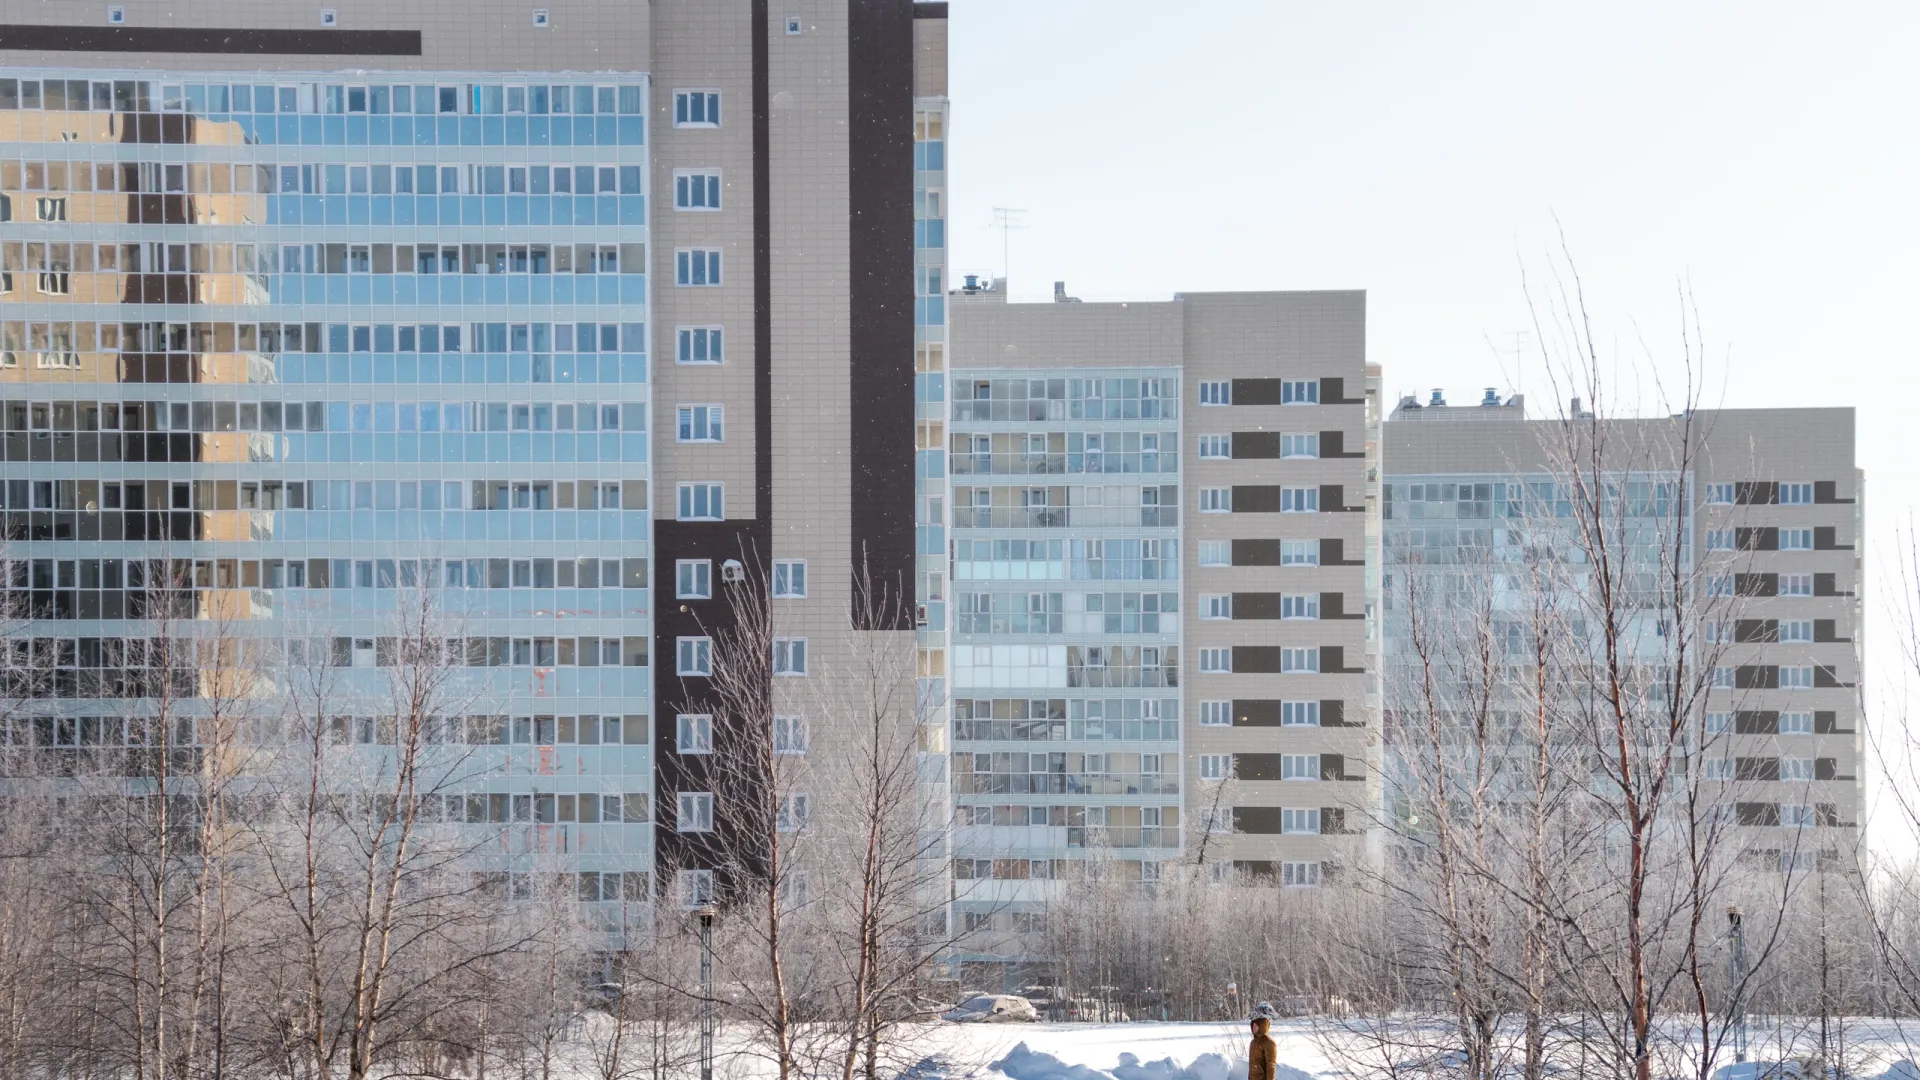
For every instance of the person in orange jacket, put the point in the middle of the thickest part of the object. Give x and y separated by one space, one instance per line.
1263 1056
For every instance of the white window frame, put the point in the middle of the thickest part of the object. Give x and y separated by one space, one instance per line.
1216 767
694 888
789 579
1720 540
1216 714
690 342
1216 392
1300 444
693 656
790 657
1719 494
1216 553
693 579
698 268
1300 821
1717 769
1796 539
1300 606
1300 392
1719 584
1796 631
1216 661
1798 770
1300 713
1723 678
795 812
1299 767
1216 447
1300 875
790 736
693 812
1801 679
693 733
1798 816
702 423
691 493
697 190
1299 500
1796 494
1796 585
1216 605
1216 500
1300 660
697 99
1796 722
1299 553
1718 722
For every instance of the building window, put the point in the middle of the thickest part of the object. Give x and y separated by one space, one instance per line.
1719 723
696 266
789 578
1300 500
1720 585
789 656
1300 392
1299 661
1796 723
1719 539
795 811
695 733
695 888
1303 606
1796 539
1216 553
1216 393
696 108
1716 768
1216 661
1299 766
695 812
790 735
702 502
699 345
1216 714
1216 446
1796 584
1300 446
1300 875
1299 553
1796 631
1216 766
1216 606
1797 816
1796 677
51 209
1796 494
694 656
1797 769
693 579
1719 494
1294 820
1299 714
1217 500
1722 678
696 190
702 423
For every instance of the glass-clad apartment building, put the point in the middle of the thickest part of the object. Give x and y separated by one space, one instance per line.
293 346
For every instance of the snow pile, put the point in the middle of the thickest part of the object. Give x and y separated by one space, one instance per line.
1022 1063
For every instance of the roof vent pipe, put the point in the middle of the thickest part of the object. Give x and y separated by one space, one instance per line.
1439 398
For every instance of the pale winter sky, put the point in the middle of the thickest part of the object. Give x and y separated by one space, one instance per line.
1769 153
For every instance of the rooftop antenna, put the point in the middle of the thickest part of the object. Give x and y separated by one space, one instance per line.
1006 219
1520 338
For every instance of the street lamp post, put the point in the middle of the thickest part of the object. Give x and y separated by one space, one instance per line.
705 915
1737 972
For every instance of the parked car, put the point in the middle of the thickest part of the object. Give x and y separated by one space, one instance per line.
992 1009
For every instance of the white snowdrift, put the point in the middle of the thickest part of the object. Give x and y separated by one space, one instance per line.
1025 1064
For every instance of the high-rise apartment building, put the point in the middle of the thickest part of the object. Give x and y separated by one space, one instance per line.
1767 541
552 311
1162 601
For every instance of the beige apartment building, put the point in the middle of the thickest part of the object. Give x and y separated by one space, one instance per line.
1771 550
1164 644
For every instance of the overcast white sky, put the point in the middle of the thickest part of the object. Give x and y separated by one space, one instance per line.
1767 152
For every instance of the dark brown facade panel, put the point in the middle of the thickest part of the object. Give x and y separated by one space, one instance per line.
933 9
1256 444
881 295
1256 767
1256 712
1256 391
1256 605
1256 498
1256 552
1333 552
193 39
1256 660
1258 820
